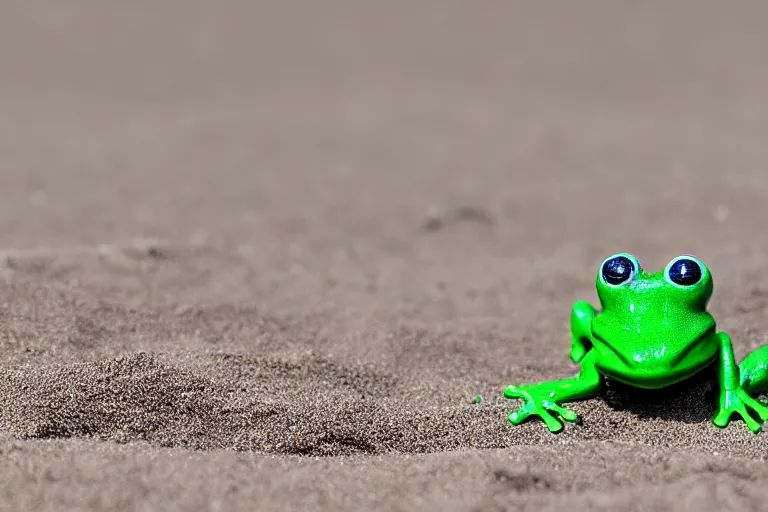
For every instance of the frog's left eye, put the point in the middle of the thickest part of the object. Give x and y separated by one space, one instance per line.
685 271
619 269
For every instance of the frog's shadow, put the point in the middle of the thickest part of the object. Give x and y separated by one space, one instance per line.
691 401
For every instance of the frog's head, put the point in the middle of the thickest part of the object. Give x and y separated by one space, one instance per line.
653 325
623 284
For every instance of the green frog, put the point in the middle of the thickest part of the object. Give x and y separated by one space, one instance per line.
653 331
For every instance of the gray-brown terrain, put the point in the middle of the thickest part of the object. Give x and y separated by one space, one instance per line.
263 255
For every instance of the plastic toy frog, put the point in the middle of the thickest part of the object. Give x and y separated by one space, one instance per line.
653 331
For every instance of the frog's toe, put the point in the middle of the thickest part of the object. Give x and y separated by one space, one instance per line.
519 416
724 417
760 409
749 405
524 413
513 392
753 425
721 420
566 414
553 424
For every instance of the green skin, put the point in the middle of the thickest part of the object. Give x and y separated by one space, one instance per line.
651 333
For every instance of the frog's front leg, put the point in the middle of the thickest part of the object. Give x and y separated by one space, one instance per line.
733 396
544 399
582 315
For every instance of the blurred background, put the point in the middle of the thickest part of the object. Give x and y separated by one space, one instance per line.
331 224
504 141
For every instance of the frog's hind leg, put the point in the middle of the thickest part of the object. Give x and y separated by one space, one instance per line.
753 372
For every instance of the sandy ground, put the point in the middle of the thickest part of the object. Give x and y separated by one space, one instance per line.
262 256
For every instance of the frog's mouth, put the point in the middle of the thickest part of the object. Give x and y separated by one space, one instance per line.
654 369
624 359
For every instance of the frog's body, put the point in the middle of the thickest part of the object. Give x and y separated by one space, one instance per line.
653 331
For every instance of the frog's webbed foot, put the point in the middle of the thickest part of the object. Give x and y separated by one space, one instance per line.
739 402
538 402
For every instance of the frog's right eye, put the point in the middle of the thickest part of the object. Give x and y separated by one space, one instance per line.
618 269
685 271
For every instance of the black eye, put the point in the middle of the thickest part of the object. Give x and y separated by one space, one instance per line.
685 272
617 270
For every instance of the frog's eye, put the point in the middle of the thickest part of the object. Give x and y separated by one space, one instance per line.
685 271
619 269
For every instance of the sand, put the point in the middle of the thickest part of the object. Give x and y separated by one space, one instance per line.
263 256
